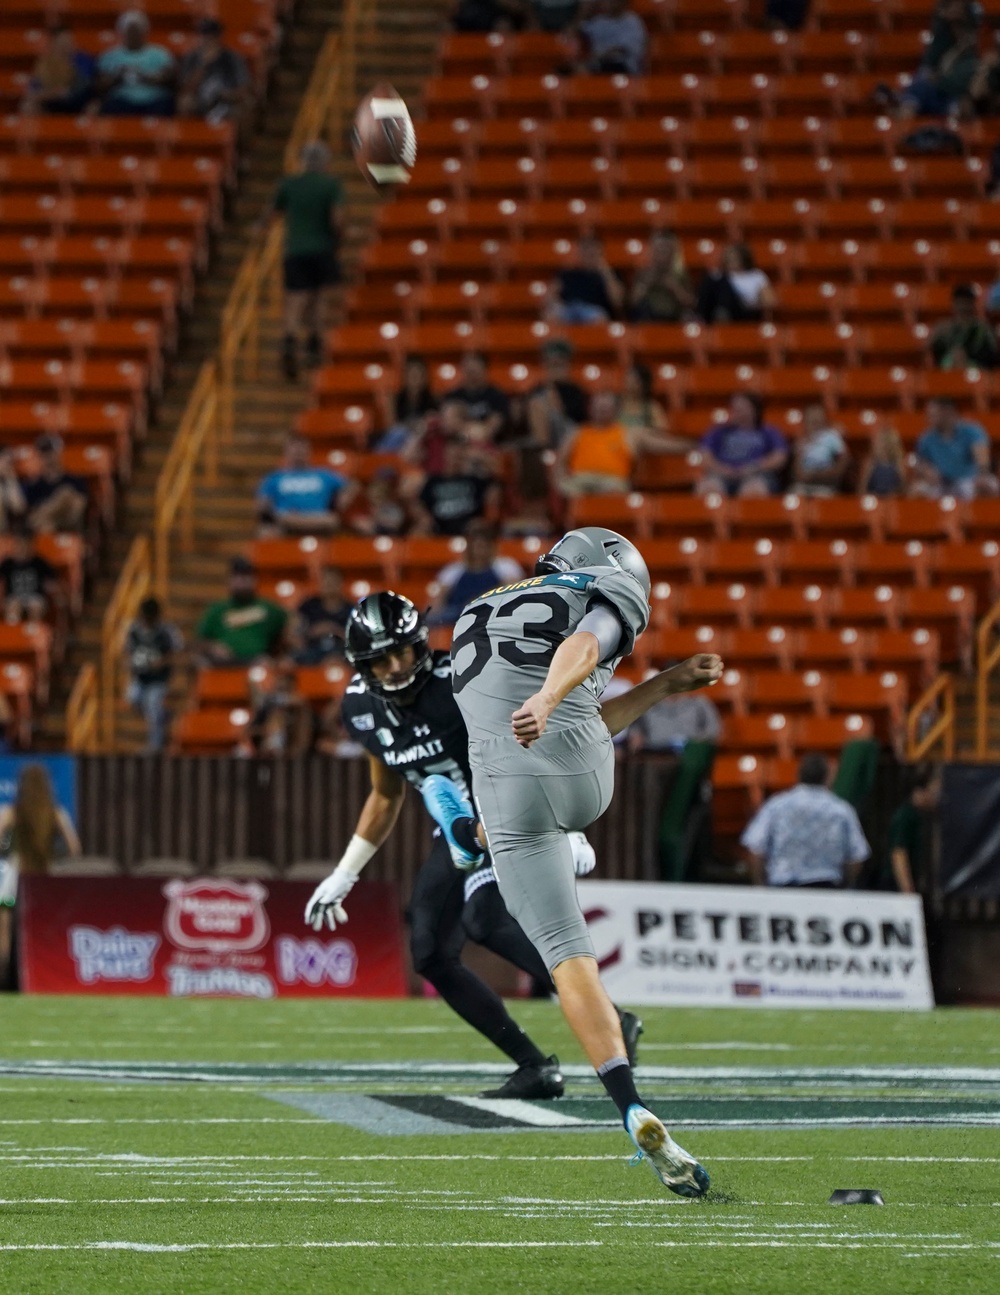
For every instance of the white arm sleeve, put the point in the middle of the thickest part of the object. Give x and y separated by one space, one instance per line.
606 628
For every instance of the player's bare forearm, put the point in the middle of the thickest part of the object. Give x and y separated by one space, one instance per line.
378 817
687 676
575 659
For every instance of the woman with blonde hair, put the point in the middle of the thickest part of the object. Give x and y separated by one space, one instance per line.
883 472
34 831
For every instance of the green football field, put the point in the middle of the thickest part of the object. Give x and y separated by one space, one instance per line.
152 1145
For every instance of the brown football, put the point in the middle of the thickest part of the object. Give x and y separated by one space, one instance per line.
383 138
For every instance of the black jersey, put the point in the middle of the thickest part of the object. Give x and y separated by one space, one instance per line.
428 736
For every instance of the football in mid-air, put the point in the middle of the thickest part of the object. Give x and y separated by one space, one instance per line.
383 138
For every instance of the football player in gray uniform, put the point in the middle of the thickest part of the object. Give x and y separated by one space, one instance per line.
529 663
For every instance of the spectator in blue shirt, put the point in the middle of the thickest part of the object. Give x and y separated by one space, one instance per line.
806 837
744 455
616 38
136 78
953 456
480 570
63 77
300 499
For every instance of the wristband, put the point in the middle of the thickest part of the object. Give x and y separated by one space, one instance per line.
357 854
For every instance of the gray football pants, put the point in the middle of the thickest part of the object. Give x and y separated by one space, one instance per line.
526 817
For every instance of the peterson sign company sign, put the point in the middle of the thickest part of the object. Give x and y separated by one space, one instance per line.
737 945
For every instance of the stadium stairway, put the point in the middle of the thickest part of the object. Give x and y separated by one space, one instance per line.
401 48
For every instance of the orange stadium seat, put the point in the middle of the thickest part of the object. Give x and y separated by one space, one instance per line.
211 731
714 604
292 558
320 685
758 734
789 693
829 733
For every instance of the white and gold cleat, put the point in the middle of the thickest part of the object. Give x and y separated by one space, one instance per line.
677 1170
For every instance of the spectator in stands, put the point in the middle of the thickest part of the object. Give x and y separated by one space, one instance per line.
463 491
301 499
242 628
672 723
320 621
30 584
967 340
599 457
820 459
12 502
737 291
984 89
558 404
588 292
883 472
151 649
744 455
214 80
786 15
661 290
135 78
806 837
55 500
310 204
953 456
639 408
480 569
381 513
63 77
909 834
411 405
946 71
480 405
489 15
616 38
554 15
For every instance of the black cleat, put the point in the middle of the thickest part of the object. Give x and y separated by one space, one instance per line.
631 1029
532 1083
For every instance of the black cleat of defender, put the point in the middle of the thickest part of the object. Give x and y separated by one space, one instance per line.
632 1028
532 1083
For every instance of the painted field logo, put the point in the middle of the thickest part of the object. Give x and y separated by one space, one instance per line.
218 916
115 954
311 962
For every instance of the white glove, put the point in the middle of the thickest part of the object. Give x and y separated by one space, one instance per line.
584 858
327 902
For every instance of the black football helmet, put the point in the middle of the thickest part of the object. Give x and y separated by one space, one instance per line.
382 623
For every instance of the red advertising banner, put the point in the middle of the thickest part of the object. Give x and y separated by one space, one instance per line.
206 937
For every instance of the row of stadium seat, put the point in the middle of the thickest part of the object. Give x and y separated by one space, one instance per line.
789 262
838 344
120 216
704 51
669 177
860 389
121 176
719 137
20 47
141 136
688 95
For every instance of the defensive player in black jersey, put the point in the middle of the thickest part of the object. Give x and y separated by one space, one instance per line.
401 708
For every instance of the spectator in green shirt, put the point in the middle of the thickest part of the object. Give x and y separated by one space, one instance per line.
310 204
909 833
243 628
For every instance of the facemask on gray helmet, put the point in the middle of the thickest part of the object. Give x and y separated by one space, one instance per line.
595 546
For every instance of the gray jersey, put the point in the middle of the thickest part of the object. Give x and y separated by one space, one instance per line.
505 641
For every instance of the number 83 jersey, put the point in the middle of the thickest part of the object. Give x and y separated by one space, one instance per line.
505 640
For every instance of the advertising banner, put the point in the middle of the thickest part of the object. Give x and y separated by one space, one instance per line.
735 946
206 937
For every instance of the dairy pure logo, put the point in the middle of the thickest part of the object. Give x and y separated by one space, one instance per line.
115 955
216 916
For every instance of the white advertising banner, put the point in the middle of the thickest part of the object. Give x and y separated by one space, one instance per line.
717 946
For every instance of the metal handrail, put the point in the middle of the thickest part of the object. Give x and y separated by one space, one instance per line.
939 698
83 711
987 659
133 584
197 433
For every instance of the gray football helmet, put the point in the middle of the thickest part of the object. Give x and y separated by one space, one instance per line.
595 546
